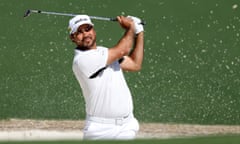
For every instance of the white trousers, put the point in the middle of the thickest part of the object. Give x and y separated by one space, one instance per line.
98 128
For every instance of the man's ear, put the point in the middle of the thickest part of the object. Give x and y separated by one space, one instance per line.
72 37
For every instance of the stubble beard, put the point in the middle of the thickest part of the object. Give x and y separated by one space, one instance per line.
88 43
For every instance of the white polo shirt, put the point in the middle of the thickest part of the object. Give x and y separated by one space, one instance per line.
106 95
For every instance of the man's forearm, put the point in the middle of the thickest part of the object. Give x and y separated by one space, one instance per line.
123 47
127 40
138 51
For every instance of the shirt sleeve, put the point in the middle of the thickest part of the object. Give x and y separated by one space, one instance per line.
92 61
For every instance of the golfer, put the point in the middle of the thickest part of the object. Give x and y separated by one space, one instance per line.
99 71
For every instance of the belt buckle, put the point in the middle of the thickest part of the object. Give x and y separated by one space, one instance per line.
119 121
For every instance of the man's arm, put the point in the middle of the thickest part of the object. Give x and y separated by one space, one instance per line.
133 62
123 47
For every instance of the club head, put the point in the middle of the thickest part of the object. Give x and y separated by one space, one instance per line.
27 13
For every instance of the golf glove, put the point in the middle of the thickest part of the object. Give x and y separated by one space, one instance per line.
137 23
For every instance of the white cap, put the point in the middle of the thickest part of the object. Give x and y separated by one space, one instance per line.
77 21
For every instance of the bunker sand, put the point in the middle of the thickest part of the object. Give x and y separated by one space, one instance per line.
16 129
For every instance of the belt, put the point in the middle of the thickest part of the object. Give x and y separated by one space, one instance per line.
116 121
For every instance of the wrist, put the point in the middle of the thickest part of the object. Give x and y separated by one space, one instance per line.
131 28
140 34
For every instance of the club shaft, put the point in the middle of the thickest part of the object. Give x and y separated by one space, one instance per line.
72 15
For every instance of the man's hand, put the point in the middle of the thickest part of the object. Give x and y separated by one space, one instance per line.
125 22
137 24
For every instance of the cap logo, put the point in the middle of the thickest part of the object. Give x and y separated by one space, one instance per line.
82 19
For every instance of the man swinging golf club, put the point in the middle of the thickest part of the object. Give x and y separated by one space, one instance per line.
109 105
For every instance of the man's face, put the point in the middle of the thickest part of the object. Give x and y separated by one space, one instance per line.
85 37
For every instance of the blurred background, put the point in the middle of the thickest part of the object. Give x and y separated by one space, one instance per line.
190 72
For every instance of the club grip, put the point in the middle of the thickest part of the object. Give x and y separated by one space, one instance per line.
142 21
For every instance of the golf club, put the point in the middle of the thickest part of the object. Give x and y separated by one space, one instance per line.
28 12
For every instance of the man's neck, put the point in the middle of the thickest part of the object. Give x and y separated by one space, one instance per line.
82 48
85 48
